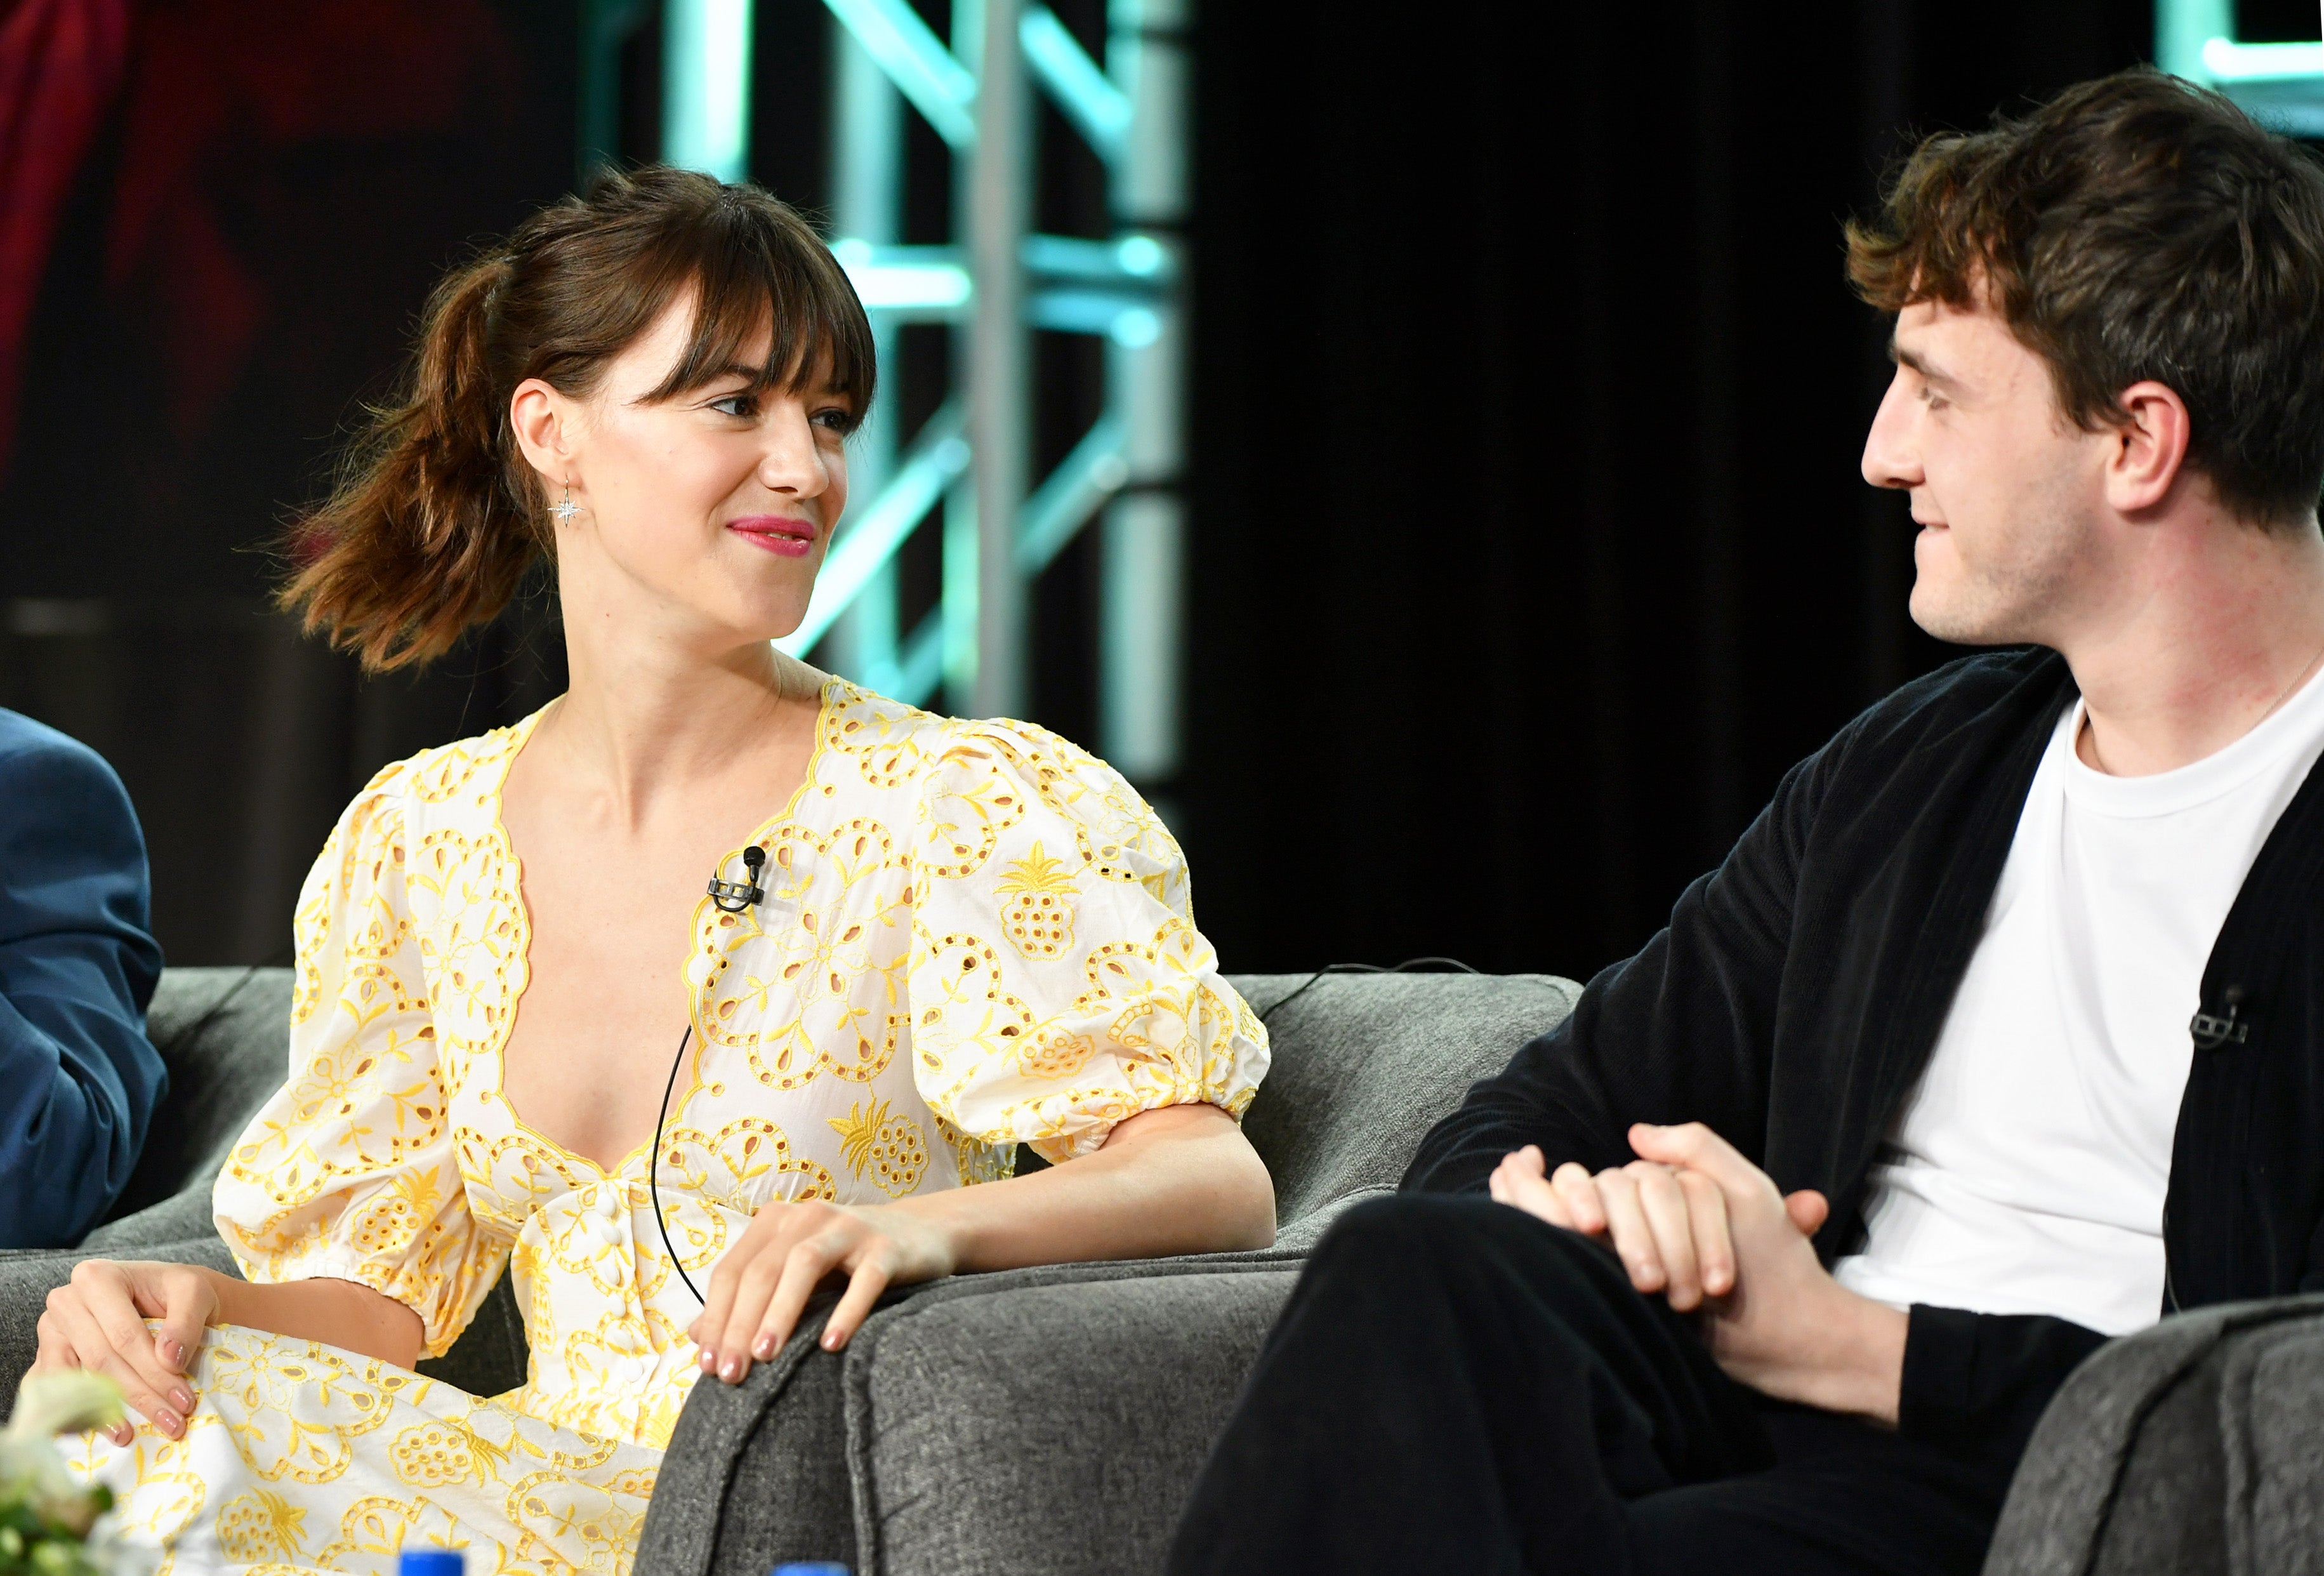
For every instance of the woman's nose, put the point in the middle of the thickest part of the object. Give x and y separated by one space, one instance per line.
792 463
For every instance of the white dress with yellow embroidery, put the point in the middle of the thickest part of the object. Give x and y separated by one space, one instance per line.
974 934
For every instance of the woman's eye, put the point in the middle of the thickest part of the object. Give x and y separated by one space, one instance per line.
835 417
745 406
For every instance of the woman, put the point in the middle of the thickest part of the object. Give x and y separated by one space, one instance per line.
964 935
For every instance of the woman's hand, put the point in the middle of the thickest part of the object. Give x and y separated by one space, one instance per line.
98 1321
763 1282
1667 1223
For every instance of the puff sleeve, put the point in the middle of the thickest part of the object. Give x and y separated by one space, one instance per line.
1057 983
349 1171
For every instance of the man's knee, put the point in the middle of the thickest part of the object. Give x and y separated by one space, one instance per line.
1440 1239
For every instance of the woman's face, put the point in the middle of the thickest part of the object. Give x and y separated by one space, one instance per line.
715 506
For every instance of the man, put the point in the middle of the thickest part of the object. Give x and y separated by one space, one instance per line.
1997 1033
78 1080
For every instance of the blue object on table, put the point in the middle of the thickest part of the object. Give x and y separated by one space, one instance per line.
431 1563
811 1568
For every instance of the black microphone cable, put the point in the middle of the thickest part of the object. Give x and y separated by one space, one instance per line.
728 898
653 1162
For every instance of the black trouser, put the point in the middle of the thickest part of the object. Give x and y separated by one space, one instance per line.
1456 1386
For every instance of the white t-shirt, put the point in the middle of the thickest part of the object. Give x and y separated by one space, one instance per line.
2026 1173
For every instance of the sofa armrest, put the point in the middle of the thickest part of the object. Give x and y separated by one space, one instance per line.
779 1468
2191 1449
1053 1427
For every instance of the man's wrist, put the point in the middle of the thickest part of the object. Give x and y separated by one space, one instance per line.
1862 1367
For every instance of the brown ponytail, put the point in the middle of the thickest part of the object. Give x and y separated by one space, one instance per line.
436 515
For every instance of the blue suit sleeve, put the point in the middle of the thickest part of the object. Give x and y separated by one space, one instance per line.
79 1078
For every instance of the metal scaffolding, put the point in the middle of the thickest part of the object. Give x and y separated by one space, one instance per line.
994 282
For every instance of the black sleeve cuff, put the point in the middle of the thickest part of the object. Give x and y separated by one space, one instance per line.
1983 1379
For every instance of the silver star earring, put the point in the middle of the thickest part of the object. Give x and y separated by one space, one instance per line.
566 511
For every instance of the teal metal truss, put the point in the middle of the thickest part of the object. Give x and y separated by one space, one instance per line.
2281 84
994 283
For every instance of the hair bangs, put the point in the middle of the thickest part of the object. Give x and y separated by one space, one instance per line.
761 283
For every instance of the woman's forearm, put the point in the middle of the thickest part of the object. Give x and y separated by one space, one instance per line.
340 1312
1181 1179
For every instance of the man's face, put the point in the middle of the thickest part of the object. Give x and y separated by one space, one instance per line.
2008 492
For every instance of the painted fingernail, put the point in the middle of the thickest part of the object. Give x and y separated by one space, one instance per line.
173 1352
181 1399
709 1360
168 1422
731 1370
831 1340
122 1434
764 1348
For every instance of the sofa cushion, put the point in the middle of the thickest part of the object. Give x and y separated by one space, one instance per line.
1366 1062
225 1036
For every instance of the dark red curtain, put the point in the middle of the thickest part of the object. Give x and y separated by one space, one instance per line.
60 68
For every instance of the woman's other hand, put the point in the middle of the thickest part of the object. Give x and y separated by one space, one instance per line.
762 1284
98 1321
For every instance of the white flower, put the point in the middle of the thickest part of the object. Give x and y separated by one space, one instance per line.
73 1402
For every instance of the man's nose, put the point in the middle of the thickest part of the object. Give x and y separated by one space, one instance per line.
1890 459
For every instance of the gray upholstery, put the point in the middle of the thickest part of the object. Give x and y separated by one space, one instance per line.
1048 1428
225 1036
2192 1449
1365 1064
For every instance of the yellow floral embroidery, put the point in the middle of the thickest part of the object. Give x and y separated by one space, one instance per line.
1039 917
892 1146
262 1526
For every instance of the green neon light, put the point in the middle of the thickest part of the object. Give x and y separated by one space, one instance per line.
1108 287
2281 85
707 87
918 669
1079 487
2226 61
925 280
938 458
917 61
1098 109
2182 29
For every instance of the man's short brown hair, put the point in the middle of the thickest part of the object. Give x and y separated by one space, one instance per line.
2135 228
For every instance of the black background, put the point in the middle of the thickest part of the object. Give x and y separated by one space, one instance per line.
1528 544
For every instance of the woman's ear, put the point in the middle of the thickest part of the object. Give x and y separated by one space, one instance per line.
2150 449
543 421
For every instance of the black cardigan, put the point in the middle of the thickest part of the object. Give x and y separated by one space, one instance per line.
1797 994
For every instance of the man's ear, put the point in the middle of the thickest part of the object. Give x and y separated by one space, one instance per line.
2150 450
542 420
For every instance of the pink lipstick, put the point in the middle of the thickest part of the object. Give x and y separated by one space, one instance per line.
777 533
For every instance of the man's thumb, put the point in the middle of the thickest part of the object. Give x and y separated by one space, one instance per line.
1808 1209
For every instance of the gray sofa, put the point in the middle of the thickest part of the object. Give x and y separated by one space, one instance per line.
1051 1420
